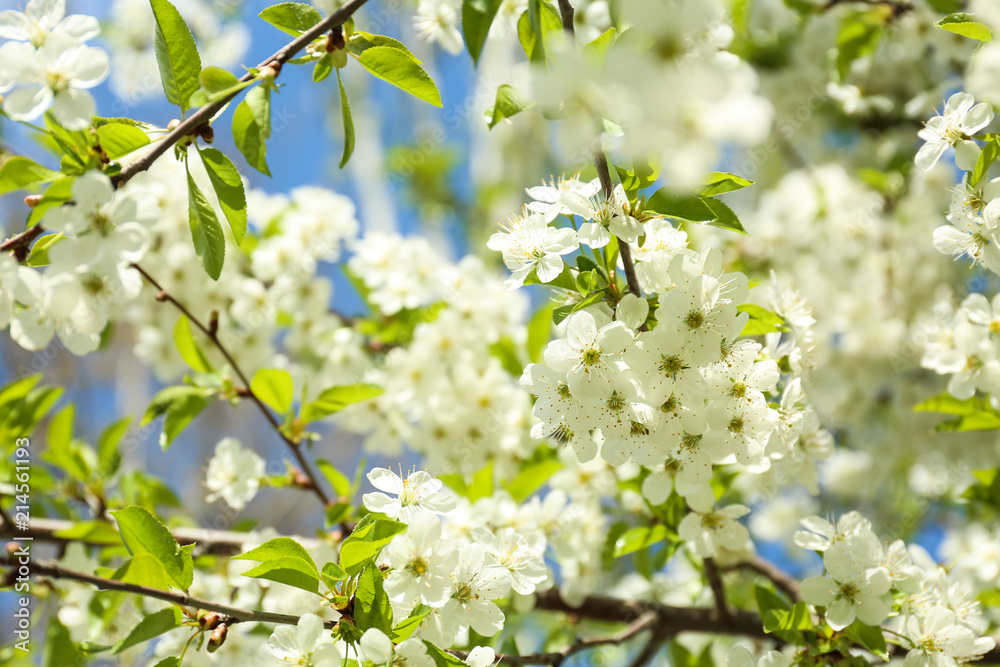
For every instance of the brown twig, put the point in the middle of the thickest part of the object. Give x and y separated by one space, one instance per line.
56 571
566 11
203 116
718 590
20 243
781 579
215 542
604 173
294 446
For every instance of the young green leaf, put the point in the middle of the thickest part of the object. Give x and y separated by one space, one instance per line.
477 17
365 541
679 205
292 17
336 399
206 232
966 25
228 188
19 172
288 570
150 627
532 478
338 480
119 136
640 537
401 70
508 103
371 604
278 547
108 455
249 137
176 54
144 534
188 348
720 182
274 387
179 405
345 110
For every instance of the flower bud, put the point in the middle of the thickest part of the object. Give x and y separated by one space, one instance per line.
218 638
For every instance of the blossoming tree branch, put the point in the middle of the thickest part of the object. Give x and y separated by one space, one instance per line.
676 406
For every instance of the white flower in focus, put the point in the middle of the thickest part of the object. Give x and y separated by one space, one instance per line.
234 474
422 564
820 534
57 75
962 117
304 644
851 591
378 648
590 356
513 551
528 244
550 198
477 585
972 235
42 18
419 492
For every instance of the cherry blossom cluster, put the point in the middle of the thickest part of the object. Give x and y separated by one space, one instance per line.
46 63
867 581
677 398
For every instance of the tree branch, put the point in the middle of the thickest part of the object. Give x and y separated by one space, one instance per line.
216 542
19 243
788 585
294 446
203 116
601 162
718 590
566 11
56 571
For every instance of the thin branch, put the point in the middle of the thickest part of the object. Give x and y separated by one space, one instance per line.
781 579
19 243
718 590
566 11
54 570
295 447
649 651
601 162
216 542
203 116
556 658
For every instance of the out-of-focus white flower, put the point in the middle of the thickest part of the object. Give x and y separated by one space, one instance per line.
42 18
304 644
378 648
234 474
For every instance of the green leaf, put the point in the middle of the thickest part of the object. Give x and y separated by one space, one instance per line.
180 405
405 628
540 18
288 570
323 68
870 637
640 537
371 604
56 194
338 480
768 600
361 41
796 618
366 540
598 47
228 188
345 112
107 446
762 321
680 205
332 574
206 232
217 81
562 312
39 255
274 387
532 478
858 37
119 137
176 54
279 547
508 103
93 532
249 137
948 404
724 216
978 421
336 399
720 182
188 348
144 570
144 534
19 172
539 332
986 159
292 17
966 25
477 17
151 626
401 70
